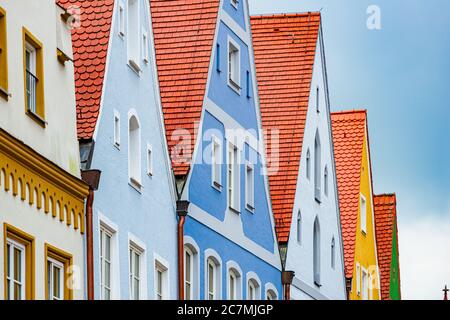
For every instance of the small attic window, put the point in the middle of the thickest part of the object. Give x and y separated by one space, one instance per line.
317 99
235 3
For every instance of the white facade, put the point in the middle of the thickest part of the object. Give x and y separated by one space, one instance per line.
300 251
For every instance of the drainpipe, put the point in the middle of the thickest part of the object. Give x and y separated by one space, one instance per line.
182 210
286 280
92 179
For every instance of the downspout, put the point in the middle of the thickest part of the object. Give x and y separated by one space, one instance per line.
286 280
182 210
92 178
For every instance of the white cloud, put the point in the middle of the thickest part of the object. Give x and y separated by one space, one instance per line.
424 256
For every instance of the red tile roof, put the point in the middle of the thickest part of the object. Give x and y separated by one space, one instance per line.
184 32
285 47
349 130
385 221
90 46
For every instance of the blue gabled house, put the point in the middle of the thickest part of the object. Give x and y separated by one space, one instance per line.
227 242
132 245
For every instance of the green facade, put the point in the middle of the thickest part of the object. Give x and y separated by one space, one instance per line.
394 290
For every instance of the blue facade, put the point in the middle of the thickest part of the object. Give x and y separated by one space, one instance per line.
140 217
241 240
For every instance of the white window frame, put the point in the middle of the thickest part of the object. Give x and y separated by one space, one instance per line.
308 164
145 47
234 270
253 282
317 167
149 160
363 213
191 246
358 279
365 284
325 181
31 50
105 231
233 178
135 181
14 244
188 251
213 259
317 253
138 247
116 129
250 187
317 99
121 19
60 266
333 253
233 66
235 3
299 227
216 163
270 289
134 38
161 266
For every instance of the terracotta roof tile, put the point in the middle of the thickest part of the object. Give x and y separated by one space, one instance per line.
184 32
90 46
285 47
385 217
349 130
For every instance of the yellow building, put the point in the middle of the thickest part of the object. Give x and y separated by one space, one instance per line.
354 176
41 195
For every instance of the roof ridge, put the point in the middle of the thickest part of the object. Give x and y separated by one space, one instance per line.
352 111
285 15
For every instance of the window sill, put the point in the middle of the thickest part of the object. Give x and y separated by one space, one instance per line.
136 185
4 94
217 186
318 200
233 85
36 118
250 208
317 284
135 67
234 210
117 146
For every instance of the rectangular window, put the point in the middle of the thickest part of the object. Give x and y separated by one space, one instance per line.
365 284
121 20
135 273
105 264
317 100
248 84
216 163
218 58
134 34
57 274
211 280
149 160
161 284
233 178
116 129
3 56
34 77
19 264
363 214
188 275
232 280
250 187
145 51
358 279
234 66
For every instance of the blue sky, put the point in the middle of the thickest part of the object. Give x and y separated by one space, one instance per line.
401 74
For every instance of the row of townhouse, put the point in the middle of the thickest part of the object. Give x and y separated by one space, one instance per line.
155 149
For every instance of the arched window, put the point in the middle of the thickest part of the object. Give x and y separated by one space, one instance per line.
213 276
299 227
253 289
317 167
325 181
333 253
234 282
316 252
308 164
191 269
134 155
271 295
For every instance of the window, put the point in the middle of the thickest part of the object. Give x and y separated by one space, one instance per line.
116 129
234 66
250 187
135 273
317 168
233 178
161 285
212 280
134 155
145 50
317 100
34 81
299 227
308 164
358 279
363 214
218 58
235 3
149 160
134 34
19 275
253 290
325 181
3 56
233 285
333 253
248 85
316 252
57 274
121 20
216 163
105 263
271 295
188 273
365 284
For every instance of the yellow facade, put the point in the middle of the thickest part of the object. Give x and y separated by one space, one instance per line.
365 259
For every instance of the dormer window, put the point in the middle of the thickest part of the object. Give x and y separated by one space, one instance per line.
234 66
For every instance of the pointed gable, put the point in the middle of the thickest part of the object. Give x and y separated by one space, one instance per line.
90 47
385 221
184 32
349 131
285 48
